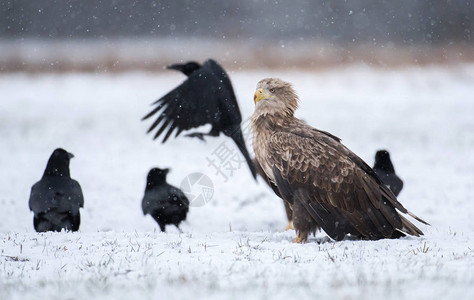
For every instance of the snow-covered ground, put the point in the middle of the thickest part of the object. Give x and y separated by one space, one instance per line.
234 246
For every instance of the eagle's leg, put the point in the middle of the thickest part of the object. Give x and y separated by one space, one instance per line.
200 135
303 222
289 215
289 226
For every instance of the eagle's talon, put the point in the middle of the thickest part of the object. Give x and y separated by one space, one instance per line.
289 226
298 240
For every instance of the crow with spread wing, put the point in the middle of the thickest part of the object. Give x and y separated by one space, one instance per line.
205 97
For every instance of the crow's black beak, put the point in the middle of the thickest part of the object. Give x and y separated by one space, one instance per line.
70 155
177 67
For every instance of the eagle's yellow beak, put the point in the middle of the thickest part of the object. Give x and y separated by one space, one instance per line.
259 95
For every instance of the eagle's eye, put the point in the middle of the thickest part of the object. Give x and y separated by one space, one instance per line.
271 90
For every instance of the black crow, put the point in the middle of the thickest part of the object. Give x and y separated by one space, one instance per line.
164 202
56 198
383 167
206 97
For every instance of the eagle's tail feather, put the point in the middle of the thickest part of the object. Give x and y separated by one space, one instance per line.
409 227
417 218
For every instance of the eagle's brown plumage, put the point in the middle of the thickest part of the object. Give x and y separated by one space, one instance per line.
288 210
326 184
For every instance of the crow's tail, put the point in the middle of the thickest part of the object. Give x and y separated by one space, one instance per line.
239 141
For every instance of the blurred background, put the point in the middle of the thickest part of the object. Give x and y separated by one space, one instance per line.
122 35
395 75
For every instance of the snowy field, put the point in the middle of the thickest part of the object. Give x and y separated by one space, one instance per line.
234 246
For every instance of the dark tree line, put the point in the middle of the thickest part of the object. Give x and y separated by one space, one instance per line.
336 21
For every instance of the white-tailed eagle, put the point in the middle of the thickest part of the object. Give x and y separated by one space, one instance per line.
325 183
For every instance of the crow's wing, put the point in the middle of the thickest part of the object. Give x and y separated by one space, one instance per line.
153 198
230 112
147 203
165 197
192 104
228 105
77 198
60 194
180 196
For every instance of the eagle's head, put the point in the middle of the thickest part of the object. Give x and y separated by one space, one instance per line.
275 96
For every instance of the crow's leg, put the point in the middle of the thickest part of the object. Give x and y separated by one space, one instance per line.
200 135
42 225
76 221
159 221
162 227
177 226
